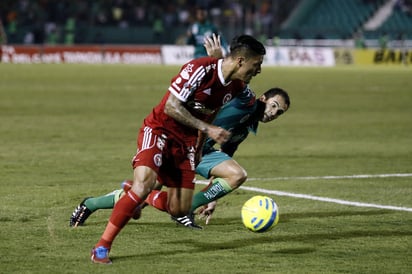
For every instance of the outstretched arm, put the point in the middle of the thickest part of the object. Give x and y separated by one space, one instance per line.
213 46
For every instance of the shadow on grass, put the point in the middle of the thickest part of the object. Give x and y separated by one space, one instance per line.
190 246
195 246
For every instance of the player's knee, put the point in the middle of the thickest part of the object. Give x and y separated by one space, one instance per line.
238 177
141 189
144 180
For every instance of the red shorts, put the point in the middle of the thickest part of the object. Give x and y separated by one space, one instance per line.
173 161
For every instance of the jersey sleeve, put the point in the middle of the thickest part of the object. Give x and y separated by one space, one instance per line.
187 81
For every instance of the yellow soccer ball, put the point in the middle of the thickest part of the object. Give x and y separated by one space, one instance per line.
260 213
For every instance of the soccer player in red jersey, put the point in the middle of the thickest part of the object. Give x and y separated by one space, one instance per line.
169 135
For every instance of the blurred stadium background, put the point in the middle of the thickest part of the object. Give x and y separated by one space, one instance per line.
350 24
339 163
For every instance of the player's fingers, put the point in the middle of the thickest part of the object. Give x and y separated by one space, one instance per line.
206 44
202 212
216 38
224 136
208 40
208 218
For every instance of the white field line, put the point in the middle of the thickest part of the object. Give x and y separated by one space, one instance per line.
324 199
360 176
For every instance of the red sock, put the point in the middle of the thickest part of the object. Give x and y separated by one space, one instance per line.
158 199
124 209
122 212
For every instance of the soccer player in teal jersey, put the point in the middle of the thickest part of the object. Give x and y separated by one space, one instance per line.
240 116
200 30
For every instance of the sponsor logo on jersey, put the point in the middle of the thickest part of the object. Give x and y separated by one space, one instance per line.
244 118
209 67
185 73
160 143
227 98
157 159
207 91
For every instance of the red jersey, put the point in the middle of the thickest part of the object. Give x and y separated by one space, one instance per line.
200 85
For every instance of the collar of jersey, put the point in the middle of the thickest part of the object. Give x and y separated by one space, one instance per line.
220 73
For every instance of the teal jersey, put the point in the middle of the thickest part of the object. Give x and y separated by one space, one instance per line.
239 117
199 31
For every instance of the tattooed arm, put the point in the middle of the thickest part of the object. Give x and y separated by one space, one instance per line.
175 109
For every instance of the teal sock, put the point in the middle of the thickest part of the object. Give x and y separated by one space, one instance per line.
219 188
103 202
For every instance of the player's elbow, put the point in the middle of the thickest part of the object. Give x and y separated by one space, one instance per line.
172 104
168 110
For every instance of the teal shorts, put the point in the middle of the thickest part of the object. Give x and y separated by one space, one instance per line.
209 161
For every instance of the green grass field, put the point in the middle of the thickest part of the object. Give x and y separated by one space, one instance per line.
69 131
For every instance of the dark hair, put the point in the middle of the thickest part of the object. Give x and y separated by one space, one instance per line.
278 91
248 43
